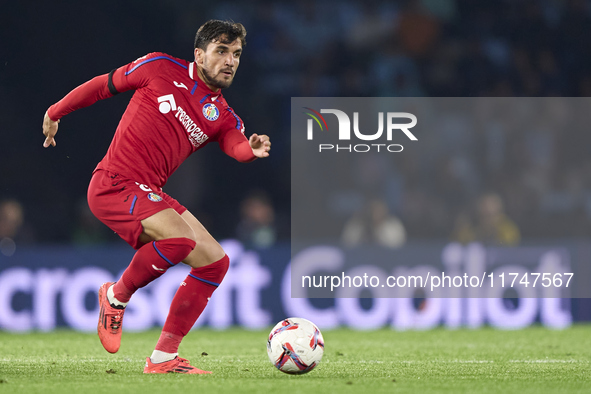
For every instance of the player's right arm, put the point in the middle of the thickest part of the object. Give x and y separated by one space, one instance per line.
131 76
84 95
49 130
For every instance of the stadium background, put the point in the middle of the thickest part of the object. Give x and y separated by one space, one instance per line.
304 48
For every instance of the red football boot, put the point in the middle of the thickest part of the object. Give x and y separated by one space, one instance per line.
176 365
110 320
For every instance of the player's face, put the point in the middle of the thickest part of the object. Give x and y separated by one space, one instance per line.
218 64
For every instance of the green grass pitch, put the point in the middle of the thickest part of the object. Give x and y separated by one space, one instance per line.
534 360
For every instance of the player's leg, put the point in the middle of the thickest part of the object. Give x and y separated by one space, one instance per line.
168 239
209 265
207 250
124 205
168 245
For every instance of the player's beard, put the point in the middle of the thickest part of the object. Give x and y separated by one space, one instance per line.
210 80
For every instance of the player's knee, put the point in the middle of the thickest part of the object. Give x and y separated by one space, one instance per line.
213 273
167 224
209 249
224 265
177 248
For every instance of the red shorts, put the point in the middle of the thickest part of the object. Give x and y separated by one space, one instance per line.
122 204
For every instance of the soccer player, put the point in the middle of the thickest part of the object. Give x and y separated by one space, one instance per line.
177 108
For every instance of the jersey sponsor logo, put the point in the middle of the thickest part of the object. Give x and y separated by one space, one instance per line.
167 103
211 112
195 134
180 85
154 197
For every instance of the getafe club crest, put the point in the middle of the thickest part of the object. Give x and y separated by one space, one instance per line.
154 197
211 112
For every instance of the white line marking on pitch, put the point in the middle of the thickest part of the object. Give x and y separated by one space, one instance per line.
548 361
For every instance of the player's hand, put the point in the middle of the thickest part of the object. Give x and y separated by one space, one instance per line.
260 145
49 130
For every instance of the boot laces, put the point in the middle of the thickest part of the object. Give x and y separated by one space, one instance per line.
116 321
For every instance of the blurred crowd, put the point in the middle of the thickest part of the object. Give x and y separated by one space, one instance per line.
499 188
481 183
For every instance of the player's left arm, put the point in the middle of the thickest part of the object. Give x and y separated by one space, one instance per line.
260 145
235 145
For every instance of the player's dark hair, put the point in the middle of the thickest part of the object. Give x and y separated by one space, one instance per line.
223 31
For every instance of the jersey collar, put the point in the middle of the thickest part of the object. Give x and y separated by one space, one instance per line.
192 71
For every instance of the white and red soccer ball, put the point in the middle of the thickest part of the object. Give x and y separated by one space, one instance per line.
295 346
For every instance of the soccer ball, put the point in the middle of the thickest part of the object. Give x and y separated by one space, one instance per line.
295 346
